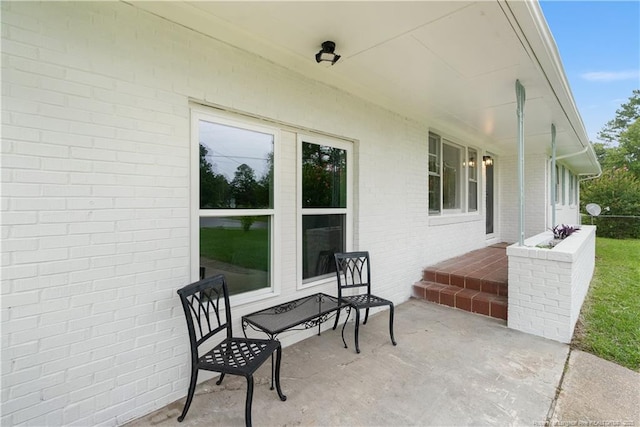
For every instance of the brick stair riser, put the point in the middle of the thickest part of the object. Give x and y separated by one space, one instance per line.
476 284
464 299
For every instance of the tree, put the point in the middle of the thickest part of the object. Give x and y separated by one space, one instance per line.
264 190
627 114
630 147
214 188
619 186
243 187
619 190
323 176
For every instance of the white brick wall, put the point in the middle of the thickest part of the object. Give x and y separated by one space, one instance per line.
95 225
547 287
95 200
536 196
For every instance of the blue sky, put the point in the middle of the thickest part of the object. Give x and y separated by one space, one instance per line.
599 43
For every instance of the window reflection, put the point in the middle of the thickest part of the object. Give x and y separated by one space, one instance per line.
236 167
237 247
324 176
322 236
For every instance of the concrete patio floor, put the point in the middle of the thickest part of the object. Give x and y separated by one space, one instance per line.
450 367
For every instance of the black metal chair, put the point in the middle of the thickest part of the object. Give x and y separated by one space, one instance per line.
354 271
203 303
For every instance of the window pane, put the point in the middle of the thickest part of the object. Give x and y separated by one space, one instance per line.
563 185
434 154
557 184
324 176
472 165
236 167
239 248
434 194
450 177
473 196
322 236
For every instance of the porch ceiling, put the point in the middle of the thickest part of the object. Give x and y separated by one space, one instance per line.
450 64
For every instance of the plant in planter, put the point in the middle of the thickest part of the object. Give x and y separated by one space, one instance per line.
560 232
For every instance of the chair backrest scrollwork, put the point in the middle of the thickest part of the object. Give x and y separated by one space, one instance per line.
207 310
353 270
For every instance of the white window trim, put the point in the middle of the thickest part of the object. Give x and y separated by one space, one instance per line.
348 146
199 113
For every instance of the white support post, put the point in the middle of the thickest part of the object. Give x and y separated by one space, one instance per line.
553 175
520 99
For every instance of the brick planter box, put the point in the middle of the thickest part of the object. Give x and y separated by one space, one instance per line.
547 286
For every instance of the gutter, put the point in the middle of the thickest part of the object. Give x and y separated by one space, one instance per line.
589 177
528 21
584 150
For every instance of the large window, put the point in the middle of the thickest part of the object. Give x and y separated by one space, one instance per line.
453 177
324 176
236 201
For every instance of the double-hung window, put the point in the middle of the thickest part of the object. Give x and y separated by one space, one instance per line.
453 177
325 176
233 164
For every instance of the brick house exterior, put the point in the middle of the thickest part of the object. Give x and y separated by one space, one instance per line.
97 198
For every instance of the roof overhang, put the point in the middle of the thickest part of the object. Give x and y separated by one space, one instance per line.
451 65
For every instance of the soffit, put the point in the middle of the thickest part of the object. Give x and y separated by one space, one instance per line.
452 64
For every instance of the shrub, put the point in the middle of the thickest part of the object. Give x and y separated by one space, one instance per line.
619 190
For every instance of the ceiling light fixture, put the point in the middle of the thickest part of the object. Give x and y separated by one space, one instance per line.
327 53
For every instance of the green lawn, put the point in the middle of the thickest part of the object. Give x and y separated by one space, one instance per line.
609 325
247 249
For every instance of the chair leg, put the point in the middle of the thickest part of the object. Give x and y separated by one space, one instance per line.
220 379
344 325
192 389
337 318
278 359
247 405
391 324
366 316
357 327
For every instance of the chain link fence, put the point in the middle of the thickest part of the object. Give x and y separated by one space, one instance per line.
615 226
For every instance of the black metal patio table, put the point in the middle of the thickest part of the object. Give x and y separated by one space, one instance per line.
302 313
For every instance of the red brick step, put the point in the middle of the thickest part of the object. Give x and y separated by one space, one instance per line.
466 299
475 282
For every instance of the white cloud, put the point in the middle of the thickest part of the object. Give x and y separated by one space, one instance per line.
610 76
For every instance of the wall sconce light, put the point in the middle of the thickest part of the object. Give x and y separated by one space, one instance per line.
327 53
487 160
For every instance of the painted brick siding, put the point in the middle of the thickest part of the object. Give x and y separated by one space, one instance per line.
547 287
96 209
536 196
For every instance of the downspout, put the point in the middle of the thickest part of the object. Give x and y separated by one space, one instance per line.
553 175
520 98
